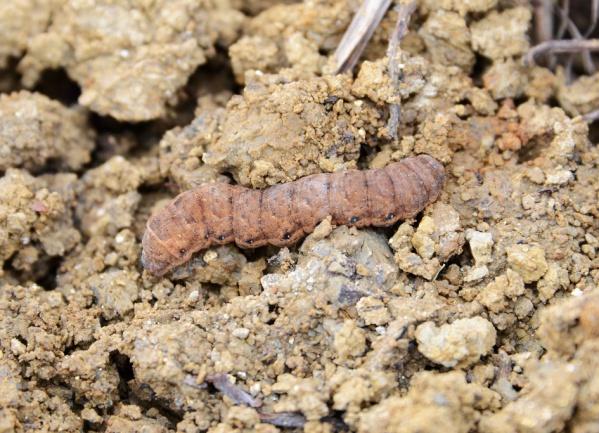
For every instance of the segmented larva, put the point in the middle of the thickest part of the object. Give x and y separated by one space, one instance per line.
216 214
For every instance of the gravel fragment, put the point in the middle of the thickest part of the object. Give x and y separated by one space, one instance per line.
460 343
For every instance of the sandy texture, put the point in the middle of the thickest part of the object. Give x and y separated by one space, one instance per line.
130 57
20 20
36 218
36 131
260 153
479 314
291 36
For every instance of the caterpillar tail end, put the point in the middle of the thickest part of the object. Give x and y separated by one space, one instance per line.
438 172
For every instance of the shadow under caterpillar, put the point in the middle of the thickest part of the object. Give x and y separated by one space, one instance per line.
216 214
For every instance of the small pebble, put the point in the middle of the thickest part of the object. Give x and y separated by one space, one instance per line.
241 333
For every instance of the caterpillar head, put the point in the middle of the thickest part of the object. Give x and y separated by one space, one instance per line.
159 256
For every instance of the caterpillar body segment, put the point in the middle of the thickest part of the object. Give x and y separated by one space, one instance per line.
216 214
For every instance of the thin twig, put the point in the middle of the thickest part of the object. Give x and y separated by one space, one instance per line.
561 31
543 13
359 32
284 419
543 16
562 46
594 18
404 12
587 61
563 26
591 116
239 396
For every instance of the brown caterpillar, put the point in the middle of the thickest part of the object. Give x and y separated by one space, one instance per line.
216 214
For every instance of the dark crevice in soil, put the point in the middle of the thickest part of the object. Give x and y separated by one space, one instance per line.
211 288
464 259
211 389
172 416
117 138
256 253
481 64
44 272
125 370
273 309
128 396
520 100
229 176
252 9
10 79
110 125
57 85
87 427
68 350
534 148
366 154
594 132
48 278
210 78
109 145
409 356
148 189
335 419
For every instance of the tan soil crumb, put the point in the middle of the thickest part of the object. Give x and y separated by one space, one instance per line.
36 131
461 343
477 315
129 58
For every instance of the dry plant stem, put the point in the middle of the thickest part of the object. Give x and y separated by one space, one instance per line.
238 395
587 61
284 419
563 46
591 116
404 12
543 16
359 32
563 26
594 18
543 13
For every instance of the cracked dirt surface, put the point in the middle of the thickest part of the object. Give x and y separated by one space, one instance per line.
481 314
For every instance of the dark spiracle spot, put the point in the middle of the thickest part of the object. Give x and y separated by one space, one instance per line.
287 236
390 216
354 220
